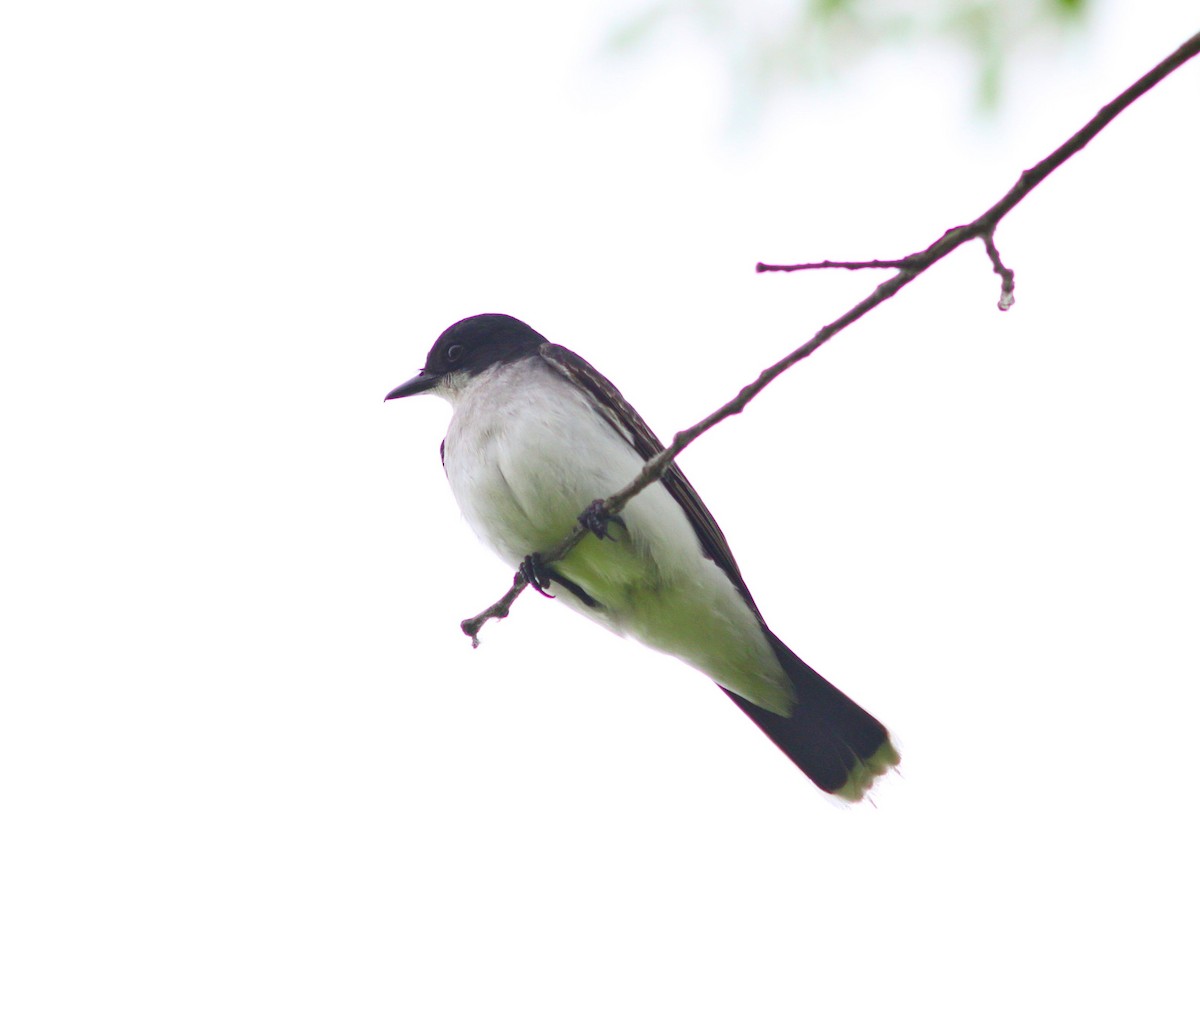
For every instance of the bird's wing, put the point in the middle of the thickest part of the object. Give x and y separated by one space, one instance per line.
611 406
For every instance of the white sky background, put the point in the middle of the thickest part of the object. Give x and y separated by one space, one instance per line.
248 762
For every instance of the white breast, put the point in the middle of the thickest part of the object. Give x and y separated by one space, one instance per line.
526 452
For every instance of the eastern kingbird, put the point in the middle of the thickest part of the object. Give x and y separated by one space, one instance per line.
537 434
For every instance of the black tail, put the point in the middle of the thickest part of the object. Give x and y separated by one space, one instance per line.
828 736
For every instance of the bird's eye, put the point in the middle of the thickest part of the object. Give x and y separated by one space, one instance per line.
454 353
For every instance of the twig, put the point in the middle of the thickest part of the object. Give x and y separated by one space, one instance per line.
907 268
845 265
1007 280
499 609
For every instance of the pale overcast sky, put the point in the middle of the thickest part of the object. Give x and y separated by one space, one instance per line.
247 760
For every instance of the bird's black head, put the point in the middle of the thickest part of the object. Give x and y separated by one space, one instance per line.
469 347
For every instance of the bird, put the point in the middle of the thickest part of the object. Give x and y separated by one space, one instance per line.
536 439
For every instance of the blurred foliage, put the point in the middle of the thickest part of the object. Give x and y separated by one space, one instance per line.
773 44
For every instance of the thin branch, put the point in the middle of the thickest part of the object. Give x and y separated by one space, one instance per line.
907 269
497 610
824 265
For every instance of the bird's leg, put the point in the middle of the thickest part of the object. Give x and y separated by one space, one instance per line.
536 575
596 519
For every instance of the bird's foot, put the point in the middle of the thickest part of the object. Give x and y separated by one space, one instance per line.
536 575
596 519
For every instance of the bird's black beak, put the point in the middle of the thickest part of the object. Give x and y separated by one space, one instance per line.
419 384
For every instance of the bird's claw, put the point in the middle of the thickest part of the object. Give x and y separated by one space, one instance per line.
596 520
535 574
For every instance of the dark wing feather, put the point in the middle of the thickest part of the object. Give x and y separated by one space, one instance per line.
611 406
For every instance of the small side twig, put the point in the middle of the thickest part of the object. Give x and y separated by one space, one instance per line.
1007 280
825 265
907 269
